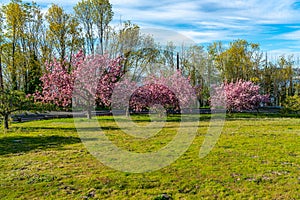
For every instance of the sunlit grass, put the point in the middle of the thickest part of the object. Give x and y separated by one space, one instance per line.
256 158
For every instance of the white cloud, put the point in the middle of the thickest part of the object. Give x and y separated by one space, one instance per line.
295 35
44 2
206 36
274 55
163 36
207 20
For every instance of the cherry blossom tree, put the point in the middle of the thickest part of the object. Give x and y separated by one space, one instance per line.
90 80
240 95
57 85
170 91
152 94
97 78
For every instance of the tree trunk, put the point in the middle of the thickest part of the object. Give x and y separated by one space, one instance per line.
101 44
291 86
257 112
13 73
6 121
127 112
89 114
1 74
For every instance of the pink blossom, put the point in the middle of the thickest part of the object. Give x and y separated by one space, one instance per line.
241 95
90 79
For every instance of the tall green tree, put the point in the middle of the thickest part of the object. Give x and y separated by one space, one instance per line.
286 73
241 60
19 47
84 14
15 16
169 55
102 16
30 48
125 41
194 63
1 47
277 79
34 57
63 33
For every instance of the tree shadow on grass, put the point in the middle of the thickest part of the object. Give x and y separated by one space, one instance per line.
67 129
170 118
22 144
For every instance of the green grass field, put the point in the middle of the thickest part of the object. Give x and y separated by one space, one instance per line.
255 158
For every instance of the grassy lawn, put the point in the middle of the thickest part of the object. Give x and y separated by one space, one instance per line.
255 158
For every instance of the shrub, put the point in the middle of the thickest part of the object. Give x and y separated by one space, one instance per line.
291 104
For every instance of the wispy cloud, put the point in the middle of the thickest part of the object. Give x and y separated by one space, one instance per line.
214 20
295 35
273 24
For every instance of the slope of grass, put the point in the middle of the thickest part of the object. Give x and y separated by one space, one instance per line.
256 158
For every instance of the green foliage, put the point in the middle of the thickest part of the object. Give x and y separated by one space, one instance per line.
29 38
34 75
63 32
102 16
292 104
15 19
19 45
12 101
240 60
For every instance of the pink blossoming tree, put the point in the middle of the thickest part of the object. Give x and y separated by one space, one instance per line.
240 95
90 79
171 92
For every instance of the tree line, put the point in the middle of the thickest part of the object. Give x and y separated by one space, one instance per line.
31 39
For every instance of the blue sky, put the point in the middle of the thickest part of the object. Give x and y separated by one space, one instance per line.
275 25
